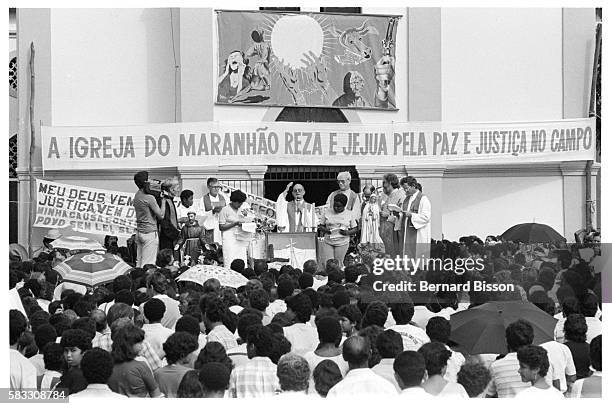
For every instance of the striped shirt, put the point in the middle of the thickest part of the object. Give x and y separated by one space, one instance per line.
506 381
257 378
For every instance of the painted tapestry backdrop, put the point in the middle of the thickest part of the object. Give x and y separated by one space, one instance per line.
306 59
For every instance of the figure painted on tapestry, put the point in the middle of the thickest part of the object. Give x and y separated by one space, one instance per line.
259 56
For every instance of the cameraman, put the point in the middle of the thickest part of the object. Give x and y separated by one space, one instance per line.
147 214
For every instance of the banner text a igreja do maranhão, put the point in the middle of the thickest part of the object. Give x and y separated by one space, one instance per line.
288 143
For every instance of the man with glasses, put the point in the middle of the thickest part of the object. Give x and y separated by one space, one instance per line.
212 203
296 215
354 201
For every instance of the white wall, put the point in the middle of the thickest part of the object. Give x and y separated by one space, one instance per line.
501 64
484 206
112 66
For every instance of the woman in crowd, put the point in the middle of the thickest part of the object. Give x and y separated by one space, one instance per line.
338 224
131 377
436 358
190 386
213 352
575 329
230 221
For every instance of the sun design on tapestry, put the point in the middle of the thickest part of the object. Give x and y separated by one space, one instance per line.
302 49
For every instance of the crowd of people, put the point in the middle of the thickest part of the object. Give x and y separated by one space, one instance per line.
302 331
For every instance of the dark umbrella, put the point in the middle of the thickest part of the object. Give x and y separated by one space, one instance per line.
482 329
532 233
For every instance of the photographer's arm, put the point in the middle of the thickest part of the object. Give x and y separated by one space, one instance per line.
157 210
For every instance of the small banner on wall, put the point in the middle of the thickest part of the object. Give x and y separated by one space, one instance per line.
294 143
306 59
84 209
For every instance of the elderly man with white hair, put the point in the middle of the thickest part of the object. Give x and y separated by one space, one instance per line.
354 201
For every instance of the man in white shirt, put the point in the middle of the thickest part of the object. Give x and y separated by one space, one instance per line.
158 283
296 215
185 205
533 361
211 204
97 367
22 372
303 336
562 371
439 330
389 345
409 367
360 380
589 307
413 337
155 333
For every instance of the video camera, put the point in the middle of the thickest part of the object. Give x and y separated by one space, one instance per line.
153 187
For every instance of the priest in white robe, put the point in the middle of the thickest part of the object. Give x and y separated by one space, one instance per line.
211 205
416 221
296 215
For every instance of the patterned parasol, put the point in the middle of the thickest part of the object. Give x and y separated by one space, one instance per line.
202 272
76 243
92 269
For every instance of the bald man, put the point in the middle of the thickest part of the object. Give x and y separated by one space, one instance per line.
354 201
360 379
296 215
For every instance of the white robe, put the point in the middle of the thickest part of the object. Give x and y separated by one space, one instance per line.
422 222
209 220
309 219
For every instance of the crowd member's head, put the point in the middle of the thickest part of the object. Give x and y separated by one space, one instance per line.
237 198
344 182
329 331
190 386
310 267
215 312
575 328
474 377
75 343
212 286
595 352
43 335
260 341
436 357
99 317
589 305
158 283
127 343
37 319
165 258
438 329
356 351
188 324
533 361
281 347
83 308
56 307
245 321
390 182
293 373
119 310
341 298
214 378
285 289
389 344
237 265
122 282
154 310
350 318
259 299
213 352
402 312
326 374
301 306
86 324
351 273
340 202
26 344
570 305
53 357
60 322
409 368
518 334
97 366
305 280
334 273
180 348
375 314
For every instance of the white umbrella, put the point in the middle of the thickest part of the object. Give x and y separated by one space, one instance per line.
76 243
202 272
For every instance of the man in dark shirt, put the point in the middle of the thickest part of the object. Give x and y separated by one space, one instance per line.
147 214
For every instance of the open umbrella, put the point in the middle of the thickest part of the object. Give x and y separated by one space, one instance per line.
76 243
202 272
92 269
532 233
482 329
